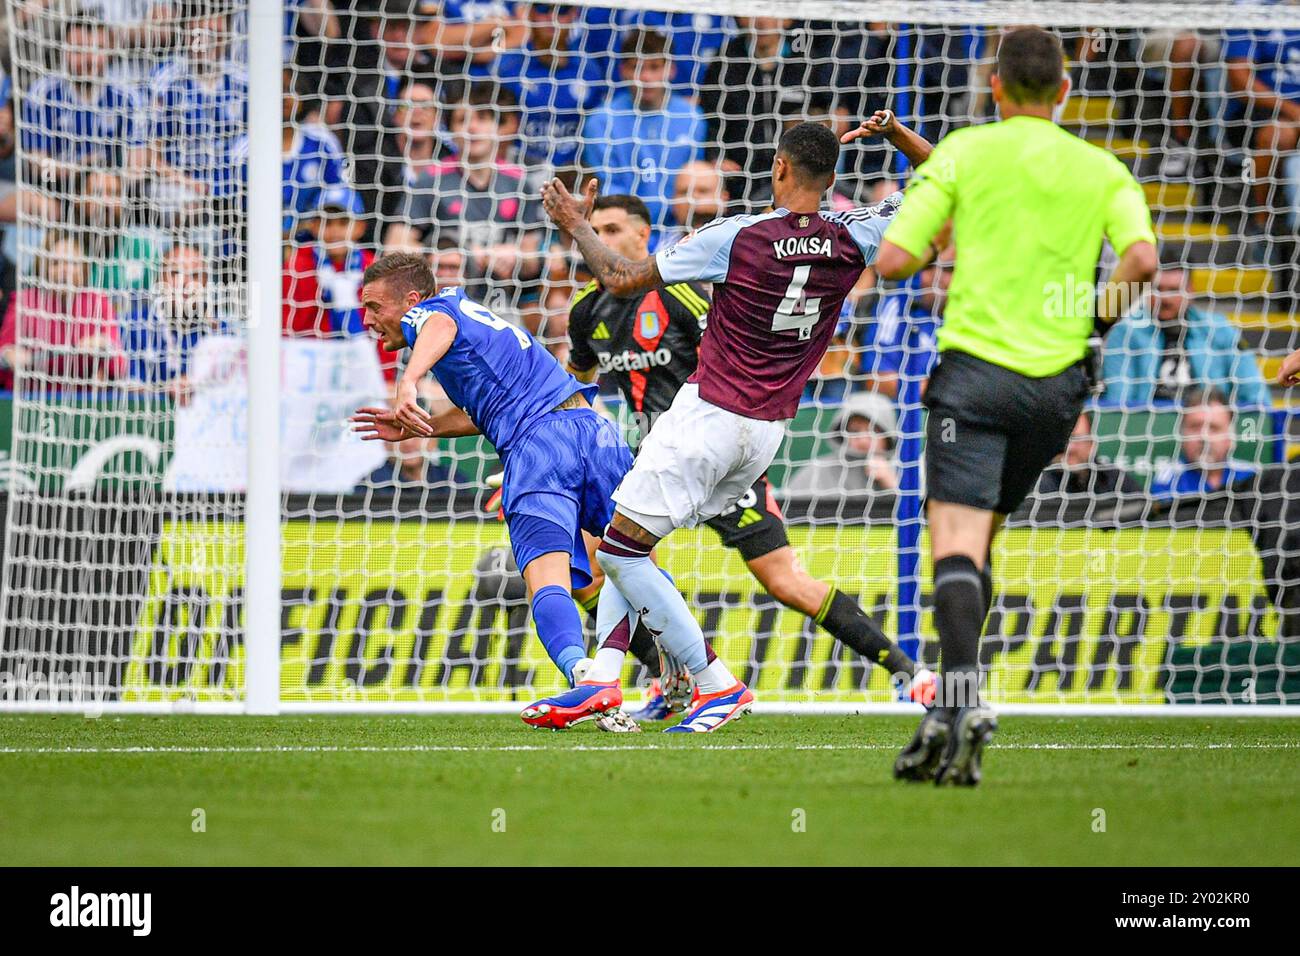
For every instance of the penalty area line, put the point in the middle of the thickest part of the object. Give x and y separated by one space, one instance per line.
589 748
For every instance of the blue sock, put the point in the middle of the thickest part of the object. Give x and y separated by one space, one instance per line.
664 610
559 627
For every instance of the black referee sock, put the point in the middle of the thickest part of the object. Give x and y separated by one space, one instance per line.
642 644
959 608
986 576
849 624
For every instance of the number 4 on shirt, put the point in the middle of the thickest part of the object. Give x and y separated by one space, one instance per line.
796 311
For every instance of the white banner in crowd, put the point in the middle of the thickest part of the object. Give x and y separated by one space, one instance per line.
324 382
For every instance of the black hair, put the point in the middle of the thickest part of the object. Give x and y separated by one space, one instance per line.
398 11
1031 65
83 18
813 149
632 205
479 97
641 43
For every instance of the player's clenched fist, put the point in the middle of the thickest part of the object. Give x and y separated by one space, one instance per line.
1290 372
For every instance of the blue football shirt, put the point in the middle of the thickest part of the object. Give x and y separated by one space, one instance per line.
503 379
201 128
552 101
1275 55
58 122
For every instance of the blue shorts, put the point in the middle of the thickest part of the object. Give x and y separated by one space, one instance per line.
558 483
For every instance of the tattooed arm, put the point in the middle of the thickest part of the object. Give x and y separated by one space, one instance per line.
617 274
622 276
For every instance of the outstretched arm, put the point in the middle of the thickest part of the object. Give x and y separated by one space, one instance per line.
884 123
617 274
895 262
452 422
431 344
377 423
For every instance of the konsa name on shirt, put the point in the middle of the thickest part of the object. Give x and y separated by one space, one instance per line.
802 246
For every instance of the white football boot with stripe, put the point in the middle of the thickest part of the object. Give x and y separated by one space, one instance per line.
712 711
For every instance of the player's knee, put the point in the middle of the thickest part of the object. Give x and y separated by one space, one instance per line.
614 560
606 562
618 550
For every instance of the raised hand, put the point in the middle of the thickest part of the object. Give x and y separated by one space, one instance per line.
565 209
880 123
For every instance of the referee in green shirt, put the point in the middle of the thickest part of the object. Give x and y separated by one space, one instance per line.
1030 204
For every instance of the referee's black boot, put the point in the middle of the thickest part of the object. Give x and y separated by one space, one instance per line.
920 759
972 729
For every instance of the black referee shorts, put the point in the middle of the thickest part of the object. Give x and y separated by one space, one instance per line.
754 525
992 431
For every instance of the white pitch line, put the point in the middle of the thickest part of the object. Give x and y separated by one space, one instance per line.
588 748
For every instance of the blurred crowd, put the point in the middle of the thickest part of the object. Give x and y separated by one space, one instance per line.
429 125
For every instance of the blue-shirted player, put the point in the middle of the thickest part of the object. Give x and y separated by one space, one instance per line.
905 321
75 117
562 460
199 112
1262 71
313 163
641 137
555 82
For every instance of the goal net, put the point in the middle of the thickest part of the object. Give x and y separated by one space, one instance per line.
1158 563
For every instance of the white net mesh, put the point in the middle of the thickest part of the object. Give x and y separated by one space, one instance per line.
1157 563
126 252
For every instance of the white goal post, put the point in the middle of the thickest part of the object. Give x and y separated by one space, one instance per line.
196 186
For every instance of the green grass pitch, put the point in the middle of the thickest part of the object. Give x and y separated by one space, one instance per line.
766 790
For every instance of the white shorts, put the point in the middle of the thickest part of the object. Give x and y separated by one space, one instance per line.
695 464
